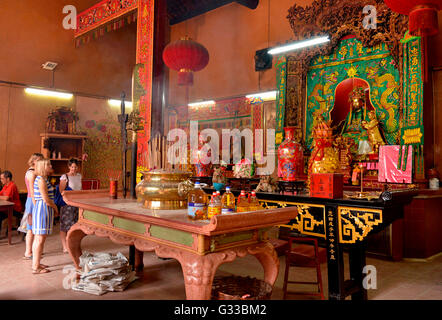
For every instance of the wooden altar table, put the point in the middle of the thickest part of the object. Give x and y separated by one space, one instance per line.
343 224
199 246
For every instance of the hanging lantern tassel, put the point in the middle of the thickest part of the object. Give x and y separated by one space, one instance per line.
185 77
423 20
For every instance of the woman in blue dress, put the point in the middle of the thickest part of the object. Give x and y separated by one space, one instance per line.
42 213
26 222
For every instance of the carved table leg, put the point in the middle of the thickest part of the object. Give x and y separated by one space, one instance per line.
198 271
268 258
136 259
357 264
139 265
73 242
132 256
198 277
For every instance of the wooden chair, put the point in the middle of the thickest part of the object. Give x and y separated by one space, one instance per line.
304 252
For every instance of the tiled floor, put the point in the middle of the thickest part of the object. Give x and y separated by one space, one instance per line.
163 279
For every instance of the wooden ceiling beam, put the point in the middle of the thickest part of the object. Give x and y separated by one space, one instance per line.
189 9
251 4
181 10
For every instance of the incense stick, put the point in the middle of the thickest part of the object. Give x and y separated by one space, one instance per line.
157 153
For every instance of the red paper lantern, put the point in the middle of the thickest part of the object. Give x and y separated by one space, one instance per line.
422 21
185 56
422 15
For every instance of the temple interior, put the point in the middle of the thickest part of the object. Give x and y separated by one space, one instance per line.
150 148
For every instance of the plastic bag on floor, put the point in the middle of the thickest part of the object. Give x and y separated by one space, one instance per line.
103 272
24 223
99 260
91 288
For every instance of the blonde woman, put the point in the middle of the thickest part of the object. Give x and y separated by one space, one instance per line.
42 213
26 222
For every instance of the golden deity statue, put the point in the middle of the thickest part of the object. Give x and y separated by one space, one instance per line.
352 127
374 134
324 157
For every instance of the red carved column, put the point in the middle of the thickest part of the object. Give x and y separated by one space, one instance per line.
160 79
144 54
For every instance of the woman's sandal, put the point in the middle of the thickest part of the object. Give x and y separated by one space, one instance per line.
40 270
30 257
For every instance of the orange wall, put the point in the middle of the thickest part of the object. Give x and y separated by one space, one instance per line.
31 33
23 119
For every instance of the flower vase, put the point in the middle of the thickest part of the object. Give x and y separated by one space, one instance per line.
203 170
290 157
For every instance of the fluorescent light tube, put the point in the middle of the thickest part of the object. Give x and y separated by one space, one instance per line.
269 95
202 103
299 45
117 103
48 93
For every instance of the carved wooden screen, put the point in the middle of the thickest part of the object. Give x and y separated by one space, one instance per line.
352 61
336 18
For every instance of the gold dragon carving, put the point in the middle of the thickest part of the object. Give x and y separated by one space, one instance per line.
357 225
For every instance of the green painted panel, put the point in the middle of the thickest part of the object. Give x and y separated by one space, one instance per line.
172 235
262 232
235 237
95 216
129 225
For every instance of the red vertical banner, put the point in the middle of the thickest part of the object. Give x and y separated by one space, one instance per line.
145 25
256 112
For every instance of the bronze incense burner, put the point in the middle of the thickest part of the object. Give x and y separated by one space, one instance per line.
164 190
